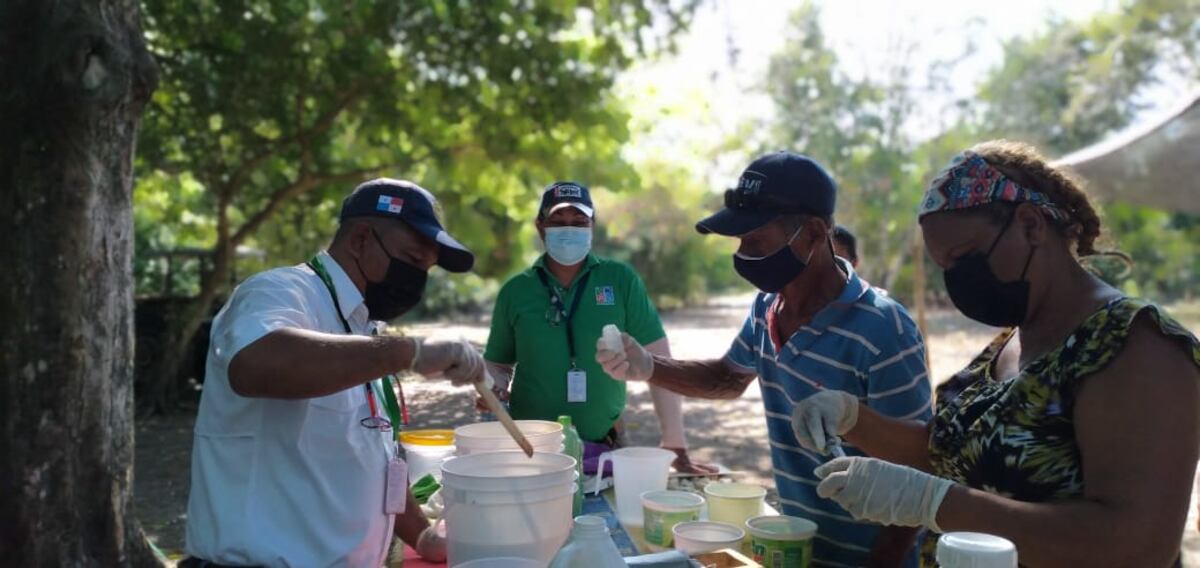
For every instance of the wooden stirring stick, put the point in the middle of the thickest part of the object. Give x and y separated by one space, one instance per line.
494 405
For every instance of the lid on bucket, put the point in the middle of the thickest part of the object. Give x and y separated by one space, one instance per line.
427 437
507 464
975 550
781 527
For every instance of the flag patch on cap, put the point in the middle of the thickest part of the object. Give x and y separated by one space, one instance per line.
389 204
568 191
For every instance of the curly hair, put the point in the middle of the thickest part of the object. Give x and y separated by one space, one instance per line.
1023 164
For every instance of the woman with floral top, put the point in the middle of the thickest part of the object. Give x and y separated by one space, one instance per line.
1075 433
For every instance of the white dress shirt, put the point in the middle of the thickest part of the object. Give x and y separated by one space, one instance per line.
286 482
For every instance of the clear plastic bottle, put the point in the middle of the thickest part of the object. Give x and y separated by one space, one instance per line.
573 446
589 546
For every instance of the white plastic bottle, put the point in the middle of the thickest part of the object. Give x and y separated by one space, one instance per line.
975 550
589 546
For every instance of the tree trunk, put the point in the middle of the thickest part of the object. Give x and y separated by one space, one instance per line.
74 76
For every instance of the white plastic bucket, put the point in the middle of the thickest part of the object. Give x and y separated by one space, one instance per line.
425 450
706 536
543 435
636 470
734 503
505 504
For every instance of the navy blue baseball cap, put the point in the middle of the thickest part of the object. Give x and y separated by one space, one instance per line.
776 184
566 194
411 203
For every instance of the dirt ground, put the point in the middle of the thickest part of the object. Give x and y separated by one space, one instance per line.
732 433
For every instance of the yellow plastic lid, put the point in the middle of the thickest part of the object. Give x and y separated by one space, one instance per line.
427 437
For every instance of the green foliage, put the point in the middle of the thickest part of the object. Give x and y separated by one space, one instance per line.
653 229
273 109
1078 82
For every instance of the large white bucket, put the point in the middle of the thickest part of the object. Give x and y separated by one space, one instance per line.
505 504
543 435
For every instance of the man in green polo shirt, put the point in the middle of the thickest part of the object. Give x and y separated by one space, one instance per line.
547 320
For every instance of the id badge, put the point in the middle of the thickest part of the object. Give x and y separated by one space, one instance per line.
576 386
395 494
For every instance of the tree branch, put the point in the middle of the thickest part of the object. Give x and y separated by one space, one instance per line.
323 123
294 189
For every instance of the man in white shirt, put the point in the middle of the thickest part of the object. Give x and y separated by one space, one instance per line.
294 460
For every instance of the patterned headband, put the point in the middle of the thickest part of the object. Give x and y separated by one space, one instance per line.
970 181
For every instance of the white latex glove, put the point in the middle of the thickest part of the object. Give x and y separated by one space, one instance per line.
822 416
882 492
458 361
634 363
431 546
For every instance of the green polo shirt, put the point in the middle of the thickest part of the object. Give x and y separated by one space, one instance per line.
523 335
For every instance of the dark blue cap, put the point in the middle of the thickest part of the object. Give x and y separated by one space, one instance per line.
776 184
408 202
566 194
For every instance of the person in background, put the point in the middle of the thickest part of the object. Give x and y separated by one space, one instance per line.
815 327
1075 432
546 322
294 461
845 245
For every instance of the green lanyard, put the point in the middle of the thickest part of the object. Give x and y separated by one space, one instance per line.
390 405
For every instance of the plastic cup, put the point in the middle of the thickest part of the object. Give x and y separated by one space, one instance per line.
779 541
662 510
698 537
733 503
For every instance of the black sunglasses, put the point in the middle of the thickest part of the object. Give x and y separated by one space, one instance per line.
742 198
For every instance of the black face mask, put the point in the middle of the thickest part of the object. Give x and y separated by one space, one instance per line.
399 291
772 272
980 295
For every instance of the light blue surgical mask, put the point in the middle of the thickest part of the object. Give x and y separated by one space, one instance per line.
568 245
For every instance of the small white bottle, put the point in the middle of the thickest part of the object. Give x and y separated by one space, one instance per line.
975 550
589 546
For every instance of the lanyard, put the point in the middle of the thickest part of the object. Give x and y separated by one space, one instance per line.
565 313
397 411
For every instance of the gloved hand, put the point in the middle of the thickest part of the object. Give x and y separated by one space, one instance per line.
882 492
633 363
458 361
431 546
821 416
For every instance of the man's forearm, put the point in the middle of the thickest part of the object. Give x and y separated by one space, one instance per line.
712 379
892 547
297 363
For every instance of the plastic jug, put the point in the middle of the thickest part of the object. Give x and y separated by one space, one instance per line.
573 446
635 471
589 546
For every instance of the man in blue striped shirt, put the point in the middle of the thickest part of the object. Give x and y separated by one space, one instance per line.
815 325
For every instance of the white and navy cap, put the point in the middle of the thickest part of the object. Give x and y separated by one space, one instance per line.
566 194
411 203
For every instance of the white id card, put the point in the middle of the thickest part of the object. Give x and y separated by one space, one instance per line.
395 493
576 386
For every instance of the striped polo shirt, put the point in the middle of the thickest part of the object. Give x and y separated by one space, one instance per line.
863 343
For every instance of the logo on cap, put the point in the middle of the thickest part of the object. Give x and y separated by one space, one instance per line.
389 204
568 191
751 181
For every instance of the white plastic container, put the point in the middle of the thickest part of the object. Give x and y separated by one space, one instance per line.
505 504
425 450
506 562
975 550
662 510
734 503
706 536
543 435
589 546
636 470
